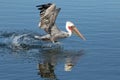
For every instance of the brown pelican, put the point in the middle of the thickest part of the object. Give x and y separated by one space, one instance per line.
48 14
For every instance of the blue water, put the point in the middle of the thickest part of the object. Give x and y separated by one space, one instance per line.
97 58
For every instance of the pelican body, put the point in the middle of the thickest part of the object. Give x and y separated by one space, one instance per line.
48 15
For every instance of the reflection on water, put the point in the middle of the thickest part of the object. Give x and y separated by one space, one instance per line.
46 70
53 57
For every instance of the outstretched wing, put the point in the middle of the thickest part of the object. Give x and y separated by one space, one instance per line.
48 15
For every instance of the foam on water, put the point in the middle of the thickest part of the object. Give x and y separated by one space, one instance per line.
24 41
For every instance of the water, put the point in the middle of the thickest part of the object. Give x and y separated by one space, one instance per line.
97 58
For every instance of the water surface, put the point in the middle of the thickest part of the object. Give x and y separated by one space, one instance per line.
97 58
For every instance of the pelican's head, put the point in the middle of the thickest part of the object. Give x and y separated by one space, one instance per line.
71 28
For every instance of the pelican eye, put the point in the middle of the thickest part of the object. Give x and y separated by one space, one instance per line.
72 26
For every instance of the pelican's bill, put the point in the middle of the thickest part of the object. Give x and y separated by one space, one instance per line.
76 31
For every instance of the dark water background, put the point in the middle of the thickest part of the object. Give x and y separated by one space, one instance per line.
98 58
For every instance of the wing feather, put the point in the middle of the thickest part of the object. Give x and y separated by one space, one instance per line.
48 15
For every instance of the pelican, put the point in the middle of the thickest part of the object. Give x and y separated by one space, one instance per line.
48 15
